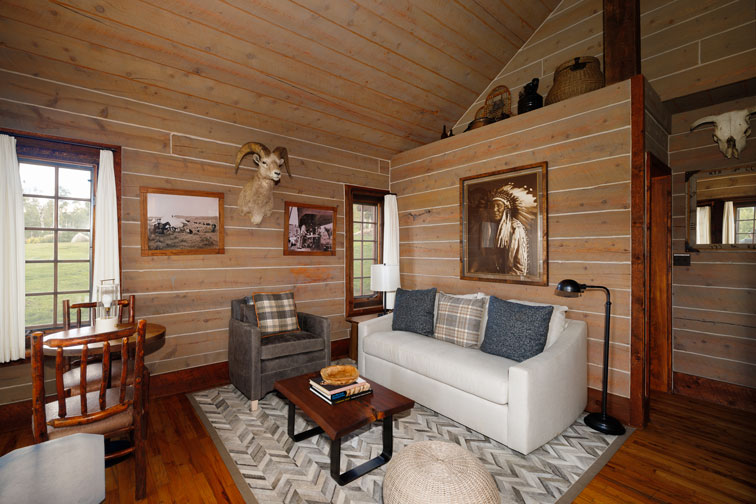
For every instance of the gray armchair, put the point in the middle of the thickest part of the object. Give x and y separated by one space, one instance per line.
255 363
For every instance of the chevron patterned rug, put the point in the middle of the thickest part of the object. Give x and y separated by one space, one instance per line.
268 465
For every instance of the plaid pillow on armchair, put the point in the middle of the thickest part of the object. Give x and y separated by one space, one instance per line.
276 312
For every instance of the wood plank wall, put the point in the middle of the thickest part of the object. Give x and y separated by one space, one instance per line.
587 143
166 147
714 299
686 46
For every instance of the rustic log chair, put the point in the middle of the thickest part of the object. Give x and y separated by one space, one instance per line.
71 377
112 412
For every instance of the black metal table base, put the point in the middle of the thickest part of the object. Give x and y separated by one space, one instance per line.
360 470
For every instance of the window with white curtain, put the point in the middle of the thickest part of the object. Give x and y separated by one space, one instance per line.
58 207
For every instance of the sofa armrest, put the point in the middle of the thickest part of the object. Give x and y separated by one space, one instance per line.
548 391
364 329
244 342
320 326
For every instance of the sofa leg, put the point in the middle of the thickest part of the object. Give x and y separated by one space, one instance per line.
253 406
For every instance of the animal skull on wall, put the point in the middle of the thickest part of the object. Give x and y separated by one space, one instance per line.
256 198
730 130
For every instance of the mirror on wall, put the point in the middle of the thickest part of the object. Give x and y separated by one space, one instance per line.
722 208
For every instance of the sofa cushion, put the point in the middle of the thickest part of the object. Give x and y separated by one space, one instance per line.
458 320
467 369
276 312
413 311
290 343
558 320
514 330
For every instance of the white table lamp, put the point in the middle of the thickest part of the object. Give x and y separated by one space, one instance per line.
384 278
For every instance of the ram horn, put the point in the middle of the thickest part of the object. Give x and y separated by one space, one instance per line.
703 120
750 110
248 148
282 153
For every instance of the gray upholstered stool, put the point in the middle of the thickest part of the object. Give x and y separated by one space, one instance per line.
436 472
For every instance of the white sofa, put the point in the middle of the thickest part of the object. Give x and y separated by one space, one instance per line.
522 405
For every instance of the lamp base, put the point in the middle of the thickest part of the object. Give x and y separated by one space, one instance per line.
605 424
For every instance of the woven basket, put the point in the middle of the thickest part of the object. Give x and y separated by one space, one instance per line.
498 103
437 472
575 77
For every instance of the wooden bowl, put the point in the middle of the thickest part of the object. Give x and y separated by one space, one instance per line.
339 375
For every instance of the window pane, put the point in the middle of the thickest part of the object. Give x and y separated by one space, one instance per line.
743 238
39 277
366 268
39 212
37 179
356 268
357 283
74 183
368 232
356 213
82 297
368 250
366 287
38 245
357 250
73 214
357 232
745 226
745 213
73 245
39 310
368 213
73 276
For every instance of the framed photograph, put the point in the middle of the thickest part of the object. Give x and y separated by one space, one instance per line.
503 226
309 229
175 222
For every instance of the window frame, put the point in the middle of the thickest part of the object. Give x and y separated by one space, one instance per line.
56 229
62 150
361 195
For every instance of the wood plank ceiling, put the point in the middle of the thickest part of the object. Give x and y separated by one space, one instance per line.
371 76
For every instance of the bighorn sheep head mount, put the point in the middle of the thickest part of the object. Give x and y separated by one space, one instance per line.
730 130
256 198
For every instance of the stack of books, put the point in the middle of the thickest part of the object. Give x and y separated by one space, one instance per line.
334 394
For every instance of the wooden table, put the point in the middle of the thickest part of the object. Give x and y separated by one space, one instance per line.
355 321
338 420
67 469
153 339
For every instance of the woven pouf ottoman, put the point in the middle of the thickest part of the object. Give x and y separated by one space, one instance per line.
436 472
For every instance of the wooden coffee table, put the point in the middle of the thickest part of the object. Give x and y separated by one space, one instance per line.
338 420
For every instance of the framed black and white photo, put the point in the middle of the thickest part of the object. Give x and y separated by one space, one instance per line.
503 222
177 222
309 229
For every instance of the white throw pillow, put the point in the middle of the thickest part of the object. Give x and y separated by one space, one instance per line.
558 320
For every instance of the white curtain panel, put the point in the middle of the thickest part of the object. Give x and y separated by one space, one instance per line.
728 223
703 225
390 239
12 267
106 252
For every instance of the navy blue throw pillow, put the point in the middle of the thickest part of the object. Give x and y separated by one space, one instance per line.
413 311
516 331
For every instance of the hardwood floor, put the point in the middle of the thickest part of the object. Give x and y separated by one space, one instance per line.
691 452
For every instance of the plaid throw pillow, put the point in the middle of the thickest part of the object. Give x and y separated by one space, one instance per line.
276 312
458 320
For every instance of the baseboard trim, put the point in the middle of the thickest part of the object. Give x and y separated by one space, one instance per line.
17 415
714 391
618 406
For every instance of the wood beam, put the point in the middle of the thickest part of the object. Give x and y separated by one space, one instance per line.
621 40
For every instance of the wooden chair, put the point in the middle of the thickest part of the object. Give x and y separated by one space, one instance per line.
112 412
71 377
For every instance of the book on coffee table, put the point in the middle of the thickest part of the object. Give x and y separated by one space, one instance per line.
341 398
338 391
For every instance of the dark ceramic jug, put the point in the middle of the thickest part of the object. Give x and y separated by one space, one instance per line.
529 98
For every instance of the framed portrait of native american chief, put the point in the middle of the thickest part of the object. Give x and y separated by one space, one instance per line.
503 236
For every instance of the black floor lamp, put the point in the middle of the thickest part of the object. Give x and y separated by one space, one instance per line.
597 421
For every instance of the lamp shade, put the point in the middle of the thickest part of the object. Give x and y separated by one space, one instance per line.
384 277
569 288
